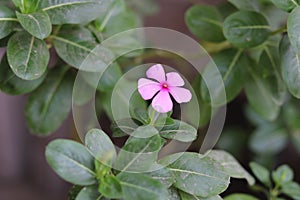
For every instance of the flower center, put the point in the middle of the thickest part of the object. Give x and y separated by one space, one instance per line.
165 86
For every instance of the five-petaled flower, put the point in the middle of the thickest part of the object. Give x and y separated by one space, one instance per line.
163 86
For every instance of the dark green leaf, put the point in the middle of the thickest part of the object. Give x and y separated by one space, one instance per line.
286 5
198 175
37 24
110 187
138 186
163 175
283 175
231 165
74 191
89 193
180 131
71 161
27 56
8 21
186 196
205 22
74 11
50 104
292 189
246 29
290 65
251 5
100 146
293 26
240 197
13 85
123 127
173 194
261 173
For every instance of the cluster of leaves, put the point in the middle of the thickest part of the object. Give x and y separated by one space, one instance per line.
47 41
249 45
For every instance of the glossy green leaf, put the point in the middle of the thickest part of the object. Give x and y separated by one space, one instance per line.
37 24
290 67
13 85
251 5
261 173
283 175
293 27
231 165
50 104
139 154
232 65
74 11
292 189
163 175
198 175
71 161
286 5
240 197
180 131
100 146
268 139
186 196
110 187
138 186
8 21
89 193
205 22
246 29
27 56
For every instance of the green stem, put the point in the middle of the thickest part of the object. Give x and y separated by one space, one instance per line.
280 30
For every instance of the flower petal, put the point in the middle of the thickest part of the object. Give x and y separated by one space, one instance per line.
181 95
156 72
162 102
147 88
174 79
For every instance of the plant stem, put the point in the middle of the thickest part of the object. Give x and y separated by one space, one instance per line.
280 30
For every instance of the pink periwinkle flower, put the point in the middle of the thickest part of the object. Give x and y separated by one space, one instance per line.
163 85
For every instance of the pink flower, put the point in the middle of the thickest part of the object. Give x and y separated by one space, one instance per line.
164 85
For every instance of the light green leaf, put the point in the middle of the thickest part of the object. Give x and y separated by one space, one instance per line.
163 175
251 5
138 186
50 104
198 175
231 165
293 27
246 29
283 175
13 85
205 22
89 193
261 173
110 187
8 21
27 6
240 197
37 24
74 11
290 67
100 146
286 5
292 189
27 56
71 161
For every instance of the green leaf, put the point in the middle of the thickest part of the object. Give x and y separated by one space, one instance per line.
198 175
37 24
180 131
173 194
293 27
27 6
123 127
74 191
13 85
27 56
74 11
100 146
138 186
110 187
268 139
186 196
163 175
231 165
246 29
292 189
71 161
88 193
8 21
50 104
240 197
290 65
259 94
283 175
139 154
261 173
205 22
286 5
251 5
232 65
